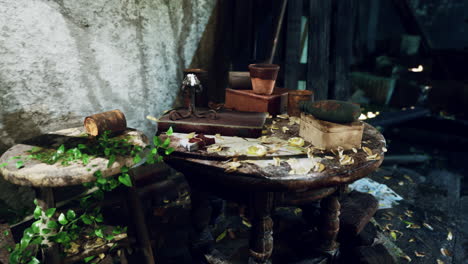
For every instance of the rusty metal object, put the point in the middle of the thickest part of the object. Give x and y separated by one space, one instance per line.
190 87
263 77
248 101
297 96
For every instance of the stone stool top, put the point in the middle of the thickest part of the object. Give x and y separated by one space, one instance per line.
38 174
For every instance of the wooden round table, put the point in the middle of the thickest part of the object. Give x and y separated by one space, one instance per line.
263 182
43 177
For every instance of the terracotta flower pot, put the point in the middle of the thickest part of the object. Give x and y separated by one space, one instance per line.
263 77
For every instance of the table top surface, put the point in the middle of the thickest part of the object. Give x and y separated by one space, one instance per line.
283 166
38 174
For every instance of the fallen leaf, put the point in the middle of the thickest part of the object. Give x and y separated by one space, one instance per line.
283 116
346 160
393 234
246 223
440 261
445 252
340 151
296 142
319 167
269 116
409 213
384 149
413 226
102 256
214 148
310 153
329 157
426 225
221 236
284 129
264 132
373 157
407 258
190 135
408 178
297 211
449 236
276 161
401 183
257 150
218 136
295 119
419 254
232 166
354 150
387 177
367 150
411 240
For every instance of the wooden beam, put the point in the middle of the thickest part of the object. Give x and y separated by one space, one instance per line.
293 43
341 54
320 13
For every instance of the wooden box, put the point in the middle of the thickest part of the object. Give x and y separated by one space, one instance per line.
248 101
328 135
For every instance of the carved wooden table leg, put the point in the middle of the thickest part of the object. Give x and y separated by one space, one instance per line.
45 200
330 223
261 235
202 240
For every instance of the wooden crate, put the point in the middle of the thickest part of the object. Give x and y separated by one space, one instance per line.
330 135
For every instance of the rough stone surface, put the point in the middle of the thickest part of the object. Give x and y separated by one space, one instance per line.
63 60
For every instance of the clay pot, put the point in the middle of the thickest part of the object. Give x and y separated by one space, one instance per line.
263 77
295 97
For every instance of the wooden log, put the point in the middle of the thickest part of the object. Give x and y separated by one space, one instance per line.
111 120
356 211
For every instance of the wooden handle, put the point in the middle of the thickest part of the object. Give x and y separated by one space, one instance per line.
111 120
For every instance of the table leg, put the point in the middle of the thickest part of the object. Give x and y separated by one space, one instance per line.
330 223
261 234
45 199
202 240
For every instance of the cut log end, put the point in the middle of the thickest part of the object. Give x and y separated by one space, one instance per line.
113 121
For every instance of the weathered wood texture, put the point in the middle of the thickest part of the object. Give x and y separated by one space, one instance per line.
356 211
261 237
293 43
38 174
318 72
342 42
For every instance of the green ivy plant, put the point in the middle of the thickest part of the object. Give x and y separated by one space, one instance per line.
63 228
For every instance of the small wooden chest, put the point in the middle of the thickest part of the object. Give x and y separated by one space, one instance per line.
248 101
328 135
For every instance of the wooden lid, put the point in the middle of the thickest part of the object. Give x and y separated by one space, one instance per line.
329 127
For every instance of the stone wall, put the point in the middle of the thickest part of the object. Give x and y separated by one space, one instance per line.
61 60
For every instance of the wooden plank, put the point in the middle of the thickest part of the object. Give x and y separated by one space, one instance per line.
374 7
342 41
293 42
320 13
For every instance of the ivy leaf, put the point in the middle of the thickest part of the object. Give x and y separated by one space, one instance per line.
61 150
99 218
109 237
88 259
125 180
98 232
52 224
137 158
37 212
169 131
85 159
19 164
36 241
6 233
82 146
166 143
34 260
36 226
107 151
71 214
86 219
157 141
101 180
3 164
111 161
45 231
50 212
124 169
169 151
62 219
